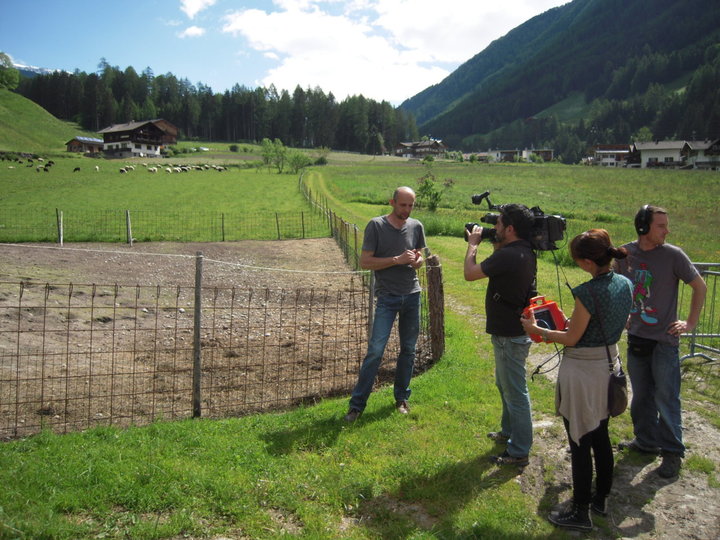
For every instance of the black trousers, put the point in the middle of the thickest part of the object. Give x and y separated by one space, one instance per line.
595 443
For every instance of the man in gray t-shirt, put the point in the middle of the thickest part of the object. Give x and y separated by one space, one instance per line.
656 268
392 249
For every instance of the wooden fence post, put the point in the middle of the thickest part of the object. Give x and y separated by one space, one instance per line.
436 307
197 351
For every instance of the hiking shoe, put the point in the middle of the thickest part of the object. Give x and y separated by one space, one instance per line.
498 437
402 407
507 459
352 415
637 447
670 466
577 517
599 504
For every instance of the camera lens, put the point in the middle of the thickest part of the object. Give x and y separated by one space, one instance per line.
488 234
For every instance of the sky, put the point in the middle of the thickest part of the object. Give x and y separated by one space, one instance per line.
386 50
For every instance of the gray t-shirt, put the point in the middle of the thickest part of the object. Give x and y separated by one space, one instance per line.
655 276
384 240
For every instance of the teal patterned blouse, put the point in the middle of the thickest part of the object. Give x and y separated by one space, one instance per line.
613 293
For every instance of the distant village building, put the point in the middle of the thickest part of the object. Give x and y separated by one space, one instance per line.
611 155
702 154
678 154
86 145
511 156
420 149
138 139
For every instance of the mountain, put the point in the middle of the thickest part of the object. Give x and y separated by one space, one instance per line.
585 47
32 71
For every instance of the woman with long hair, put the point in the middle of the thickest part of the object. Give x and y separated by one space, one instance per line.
602 306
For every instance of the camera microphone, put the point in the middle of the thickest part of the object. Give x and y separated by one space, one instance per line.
478 199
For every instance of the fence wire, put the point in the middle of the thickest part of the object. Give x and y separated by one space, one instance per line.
77 356
83 225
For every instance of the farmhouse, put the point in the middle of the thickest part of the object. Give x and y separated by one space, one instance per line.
702 154
510 156
611 155
679 154
138 139
420 149
87 145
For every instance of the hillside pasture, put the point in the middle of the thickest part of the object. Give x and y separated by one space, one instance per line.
191 194
587 196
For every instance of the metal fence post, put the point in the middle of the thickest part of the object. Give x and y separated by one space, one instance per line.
128 227
197 323
59 216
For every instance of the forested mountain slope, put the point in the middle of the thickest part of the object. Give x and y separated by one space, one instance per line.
604 49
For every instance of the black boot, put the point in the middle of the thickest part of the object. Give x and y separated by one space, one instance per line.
576 517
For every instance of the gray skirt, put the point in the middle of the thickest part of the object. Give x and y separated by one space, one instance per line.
582 387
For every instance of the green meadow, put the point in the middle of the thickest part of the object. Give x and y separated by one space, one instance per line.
303 473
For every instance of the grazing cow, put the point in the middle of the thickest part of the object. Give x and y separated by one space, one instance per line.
76 169
123 170
152 169
97 168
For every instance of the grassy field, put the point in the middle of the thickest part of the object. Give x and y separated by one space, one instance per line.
303 473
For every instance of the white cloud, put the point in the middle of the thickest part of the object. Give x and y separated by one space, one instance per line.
193 7
384 49
192 31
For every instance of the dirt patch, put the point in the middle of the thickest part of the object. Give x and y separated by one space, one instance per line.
108 329
642 504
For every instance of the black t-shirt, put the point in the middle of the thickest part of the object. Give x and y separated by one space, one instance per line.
511 273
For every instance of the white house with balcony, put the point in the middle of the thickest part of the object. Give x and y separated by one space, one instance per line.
667 154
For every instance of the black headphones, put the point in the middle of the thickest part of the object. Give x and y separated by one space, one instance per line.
643 219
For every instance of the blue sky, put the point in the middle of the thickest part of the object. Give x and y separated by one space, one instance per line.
384 49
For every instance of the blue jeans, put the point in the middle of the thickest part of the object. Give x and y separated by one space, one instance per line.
516 423
655 407
388 307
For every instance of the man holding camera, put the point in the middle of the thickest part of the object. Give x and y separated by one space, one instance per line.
511 273
655 268
392 249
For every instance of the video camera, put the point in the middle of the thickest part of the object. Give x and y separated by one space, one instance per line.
546 230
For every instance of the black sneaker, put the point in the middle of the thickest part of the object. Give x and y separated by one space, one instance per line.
498 437
507 459
637 447
670 466
599 504
577 517
352 415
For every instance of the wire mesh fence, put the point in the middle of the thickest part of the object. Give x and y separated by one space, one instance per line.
83 225
704 341
77 356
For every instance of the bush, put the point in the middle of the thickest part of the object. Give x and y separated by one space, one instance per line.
234 147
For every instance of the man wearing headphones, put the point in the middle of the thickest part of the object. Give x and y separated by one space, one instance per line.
511 273
654 329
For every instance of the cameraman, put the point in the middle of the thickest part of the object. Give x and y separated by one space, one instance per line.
511 271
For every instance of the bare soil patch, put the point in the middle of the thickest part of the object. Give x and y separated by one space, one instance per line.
642 504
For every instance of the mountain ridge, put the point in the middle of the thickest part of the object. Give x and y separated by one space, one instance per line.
556 53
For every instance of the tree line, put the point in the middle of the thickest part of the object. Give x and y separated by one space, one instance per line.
307 118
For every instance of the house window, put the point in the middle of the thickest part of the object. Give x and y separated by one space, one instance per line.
669 159
138 146
652 160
